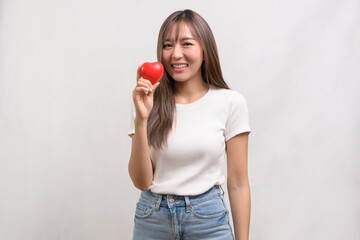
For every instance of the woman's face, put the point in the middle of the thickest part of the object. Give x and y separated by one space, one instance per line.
182 58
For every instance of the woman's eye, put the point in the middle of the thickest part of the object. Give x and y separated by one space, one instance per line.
167 45
187 44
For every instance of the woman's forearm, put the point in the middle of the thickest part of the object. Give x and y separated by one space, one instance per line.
140 166
240 203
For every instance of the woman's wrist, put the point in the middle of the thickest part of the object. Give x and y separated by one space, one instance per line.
140 122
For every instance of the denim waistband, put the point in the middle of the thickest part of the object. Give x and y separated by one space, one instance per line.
157 199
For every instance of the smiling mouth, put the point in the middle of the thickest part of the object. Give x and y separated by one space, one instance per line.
179 66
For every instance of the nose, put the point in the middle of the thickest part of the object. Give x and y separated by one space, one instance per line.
177 53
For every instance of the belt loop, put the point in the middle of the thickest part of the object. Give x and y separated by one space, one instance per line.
188 204
157 205
222 189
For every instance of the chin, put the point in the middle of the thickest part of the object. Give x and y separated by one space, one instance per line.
180 79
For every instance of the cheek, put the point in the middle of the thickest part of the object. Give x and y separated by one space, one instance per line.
166 62
197 56
165 58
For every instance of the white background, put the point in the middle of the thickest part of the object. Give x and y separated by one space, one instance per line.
68 68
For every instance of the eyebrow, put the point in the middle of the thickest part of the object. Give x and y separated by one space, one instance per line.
182 39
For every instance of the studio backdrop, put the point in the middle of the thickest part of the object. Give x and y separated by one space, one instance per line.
67 71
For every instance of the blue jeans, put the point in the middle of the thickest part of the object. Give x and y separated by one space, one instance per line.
175 217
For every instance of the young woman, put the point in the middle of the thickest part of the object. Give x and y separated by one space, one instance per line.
183 129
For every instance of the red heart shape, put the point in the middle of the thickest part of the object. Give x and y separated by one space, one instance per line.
152 71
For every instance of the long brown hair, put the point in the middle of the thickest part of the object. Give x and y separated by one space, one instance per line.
161 116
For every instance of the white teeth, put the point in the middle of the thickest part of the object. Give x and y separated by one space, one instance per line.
179 65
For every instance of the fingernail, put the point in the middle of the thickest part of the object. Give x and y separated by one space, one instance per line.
146 92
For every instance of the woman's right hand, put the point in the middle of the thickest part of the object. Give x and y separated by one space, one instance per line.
143 96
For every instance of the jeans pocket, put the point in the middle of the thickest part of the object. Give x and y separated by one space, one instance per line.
213 208
143 209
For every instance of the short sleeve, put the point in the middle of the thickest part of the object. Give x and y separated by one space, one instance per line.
131 131
237 116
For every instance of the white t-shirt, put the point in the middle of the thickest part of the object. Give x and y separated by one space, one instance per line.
191 164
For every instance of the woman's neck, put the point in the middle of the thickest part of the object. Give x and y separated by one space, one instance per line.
190 91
